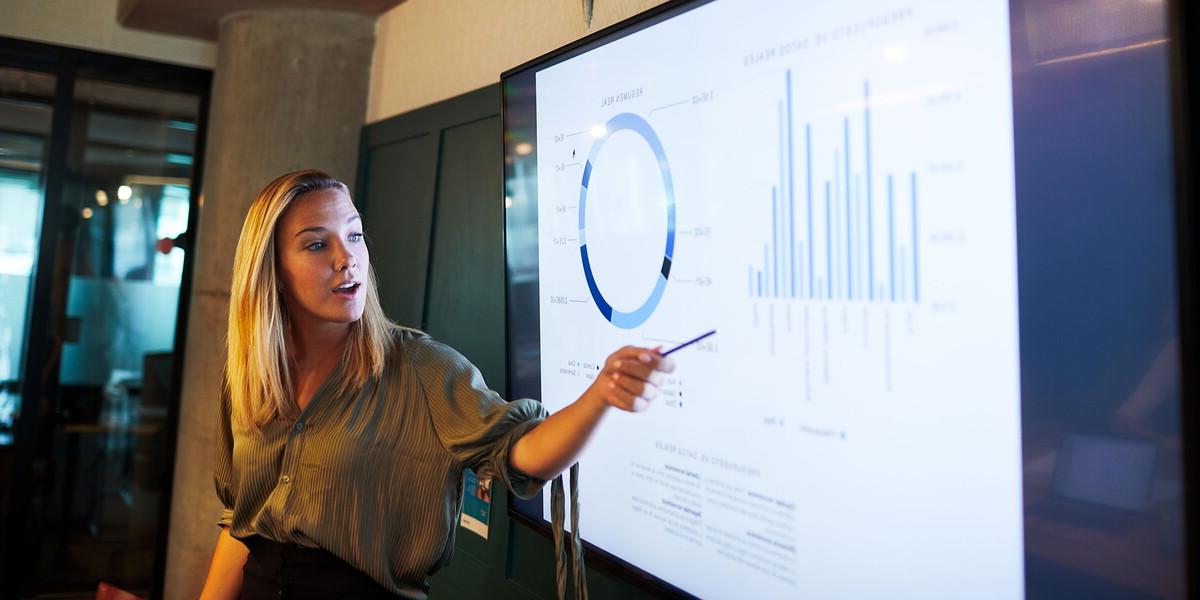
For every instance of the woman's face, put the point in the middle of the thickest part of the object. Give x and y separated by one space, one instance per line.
322 259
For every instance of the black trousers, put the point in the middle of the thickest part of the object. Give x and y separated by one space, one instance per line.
275 571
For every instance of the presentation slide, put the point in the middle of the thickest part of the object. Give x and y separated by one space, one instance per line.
830 187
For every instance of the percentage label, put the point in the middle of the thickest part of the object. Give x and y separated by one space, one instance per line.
947 167
944 98
558 300
941 28
947 237
706 96
944 306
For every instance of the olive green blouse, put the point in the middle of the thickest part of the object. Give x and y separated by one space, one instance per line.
375 478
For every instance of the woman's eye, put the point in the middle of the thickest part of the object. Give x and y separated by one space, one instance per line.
354 237
315 246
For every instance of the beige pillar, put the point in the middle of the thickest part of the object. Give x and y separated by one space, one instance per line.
289 92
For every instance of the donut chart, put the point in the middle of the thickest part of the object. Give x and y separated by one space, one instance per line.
631 319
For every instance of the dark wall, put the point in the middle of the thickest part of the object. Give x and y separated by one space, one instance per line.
430 191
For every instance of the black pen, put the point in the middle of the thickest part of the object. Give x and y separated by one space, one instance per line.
688 343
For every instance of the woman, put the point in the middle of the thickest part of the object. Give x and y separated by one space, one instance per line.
343 436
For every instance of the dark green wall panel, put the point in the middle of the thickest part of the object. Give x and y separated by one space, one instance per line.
397 205
466 270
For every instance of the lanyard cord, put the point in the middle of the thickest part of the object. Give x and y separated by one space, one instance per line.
578 572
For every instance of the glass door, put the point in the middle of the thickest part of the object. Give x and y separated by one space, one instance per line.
113 318
89 313
26 113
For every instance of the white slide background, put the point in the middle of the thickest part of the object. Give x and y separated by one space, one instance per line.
853 429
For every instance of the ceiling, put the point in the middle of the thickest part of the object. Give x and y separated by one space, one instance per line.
200 18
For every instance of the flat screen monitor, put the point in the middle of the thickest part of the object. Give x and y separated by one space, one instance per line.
936 241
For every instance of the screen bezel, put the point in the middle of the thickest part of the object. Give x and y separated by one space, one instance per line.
1183 23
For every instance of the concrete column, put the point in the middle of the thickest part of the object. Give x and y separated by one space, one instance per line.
289 92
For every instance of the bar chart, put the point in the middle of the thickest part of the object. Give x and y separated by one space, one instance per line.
836 237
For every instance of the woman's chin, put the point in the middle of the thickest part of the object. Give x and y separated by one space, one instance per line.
351 318
342 316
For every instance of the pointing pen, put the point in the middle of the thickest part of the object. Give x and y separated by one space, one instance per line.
688 343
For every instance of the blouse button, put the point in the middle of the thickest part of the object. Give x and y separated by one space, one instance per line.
299 425
285 478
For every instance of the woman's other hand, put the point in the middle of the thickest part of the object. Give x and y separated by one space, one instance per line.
631 378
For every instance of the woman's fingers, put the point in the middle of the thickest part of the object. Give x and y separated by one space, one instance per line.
653 357
639 362
627 392
632 376
619 397
631 369
637 387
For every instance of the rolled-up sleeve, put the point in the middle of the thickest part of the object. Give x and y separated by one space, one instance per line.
223 465
473 423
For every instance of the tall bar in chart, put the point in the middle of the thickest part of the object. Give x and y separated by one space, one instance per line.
830 253
870 211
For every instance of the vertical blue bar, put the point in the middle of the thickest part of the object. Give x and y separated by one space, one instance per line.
828 245
891 243
774 243
916 280
858 234
837 222
801 251
760 290
812 291
791 176
870 228
849 221
777 231
767 268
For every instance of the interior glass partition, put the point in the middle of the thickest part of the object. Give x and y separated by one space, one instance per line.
99 156
128 178
25 114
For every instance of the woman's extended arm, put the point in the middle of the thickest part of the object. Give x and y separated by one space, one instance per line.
224 581
629 381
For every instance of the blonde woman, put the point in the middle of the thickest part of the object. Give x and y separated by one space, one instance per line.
343 436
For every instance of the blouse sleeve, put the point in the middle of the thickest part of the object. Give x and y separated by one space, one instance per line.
223 471
472 421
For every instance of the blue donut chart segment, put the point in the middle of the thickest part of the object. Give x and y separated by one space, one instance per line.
638 125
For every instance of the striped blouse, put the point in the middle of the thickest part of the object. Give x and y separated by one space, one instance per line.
376 478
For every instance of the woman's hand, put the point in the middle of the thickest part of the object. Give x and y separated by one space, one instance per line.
629 381
631 378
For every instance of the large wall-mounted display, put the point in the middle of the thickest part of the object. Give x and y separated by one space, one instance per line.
882 210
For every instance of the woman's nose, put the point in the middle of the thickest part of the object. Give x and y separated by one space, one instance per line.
344 258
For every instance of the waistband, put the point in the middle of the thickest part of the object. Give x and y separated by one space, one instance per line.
297 571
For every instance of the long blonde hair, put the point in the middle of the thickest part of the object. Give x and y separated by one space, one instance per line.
257 370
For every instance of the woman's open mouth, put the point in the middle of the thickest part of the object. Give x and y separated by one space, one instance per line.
347 290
